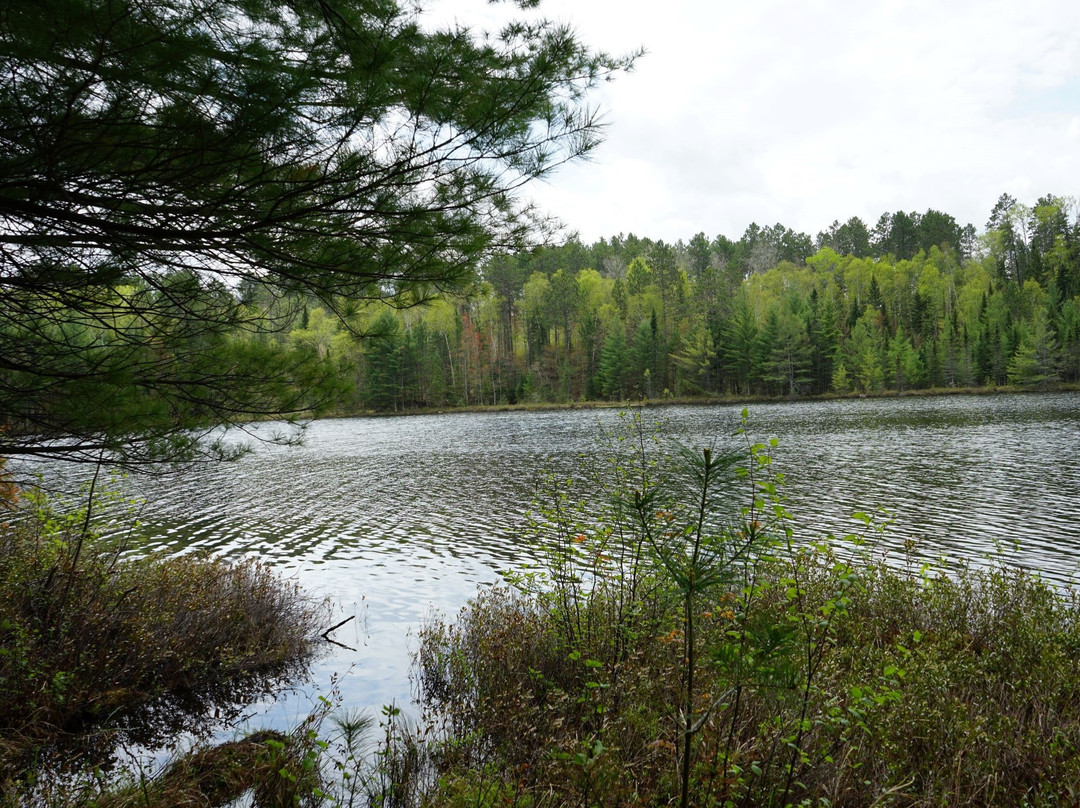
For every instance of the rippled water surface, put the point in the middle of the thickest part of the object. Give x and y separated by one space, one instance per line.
391 517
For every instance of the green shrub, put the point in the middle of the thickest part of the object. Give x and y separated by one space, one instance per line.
684 644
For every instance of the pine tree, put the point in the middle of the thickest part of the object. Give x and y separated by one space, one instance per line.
160 161
611 373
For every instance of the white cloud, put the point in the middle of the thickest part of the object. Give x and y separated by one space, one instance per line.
807 112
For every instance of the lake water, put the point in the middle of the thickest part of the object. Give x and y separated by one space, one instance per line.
393 517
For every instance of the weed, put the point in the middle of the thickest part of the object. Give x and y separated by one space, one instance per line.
89 634
686 643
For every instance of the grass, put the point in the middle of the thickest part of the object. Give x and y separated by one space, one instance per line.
686 646
91 633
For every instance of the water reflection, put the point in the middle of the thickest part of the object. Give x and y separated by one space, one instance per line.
392 517
177 719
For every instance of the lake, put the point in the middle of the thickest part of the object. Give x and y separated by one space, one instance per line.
392 517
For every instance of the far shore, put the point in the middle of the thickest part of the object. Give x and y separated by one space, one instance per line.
726 400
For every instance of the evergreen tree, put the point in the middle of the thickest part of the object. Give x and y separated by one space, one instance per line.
612 369
699 255
384 359
591 347
789 364
904 365
638 276
740 342
937 229
644 355
760 378
850 238
1037 357
1008 245
823 330
695 362
841 380
562 302
1069 332
864 352
158 161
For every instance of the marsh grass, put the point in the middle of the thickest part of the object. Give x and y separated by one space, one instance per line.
781 672
90 633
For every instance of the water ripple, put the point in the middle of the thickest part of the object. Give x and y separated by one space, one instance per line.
391 517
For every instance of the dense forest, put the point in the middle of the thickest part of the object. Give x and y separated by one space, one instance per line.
915 302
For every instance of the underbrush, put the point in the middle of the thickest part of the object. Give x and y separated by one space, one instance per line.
685 645
958 690
90 632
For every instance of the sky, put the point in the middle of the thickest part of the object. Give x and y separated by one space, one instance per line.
802 113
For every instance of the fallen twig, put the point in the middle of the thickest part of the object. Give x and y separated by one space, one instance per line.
336 626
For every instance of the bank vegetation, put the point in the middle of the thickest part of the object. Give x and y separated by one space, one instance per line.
691 645
103 645
686 642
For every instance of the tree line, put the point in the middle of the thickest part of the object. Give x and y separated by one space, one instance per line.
214 210
916 302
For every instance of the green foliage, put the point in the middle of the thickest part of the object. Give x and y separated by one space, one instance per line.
930 313
619 319
685 643
613 368
181 179
695 362
1036 359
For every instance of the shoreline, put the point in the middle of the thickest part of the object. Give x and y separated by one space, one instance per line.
699 401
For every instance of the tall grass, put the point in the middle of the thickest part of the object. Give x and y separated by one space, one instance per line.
90 632
686 644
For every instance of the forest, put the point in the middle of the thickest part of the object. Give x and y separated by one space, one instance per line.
915 302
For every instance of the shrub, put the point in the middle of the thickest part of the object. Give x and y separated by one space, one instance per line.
683 644
90 631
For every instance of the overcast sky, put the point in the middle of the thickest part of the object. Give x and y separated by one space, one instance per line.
805 112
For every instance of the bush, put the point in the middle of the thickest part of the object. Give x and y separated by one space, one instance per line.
681 645
89 631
